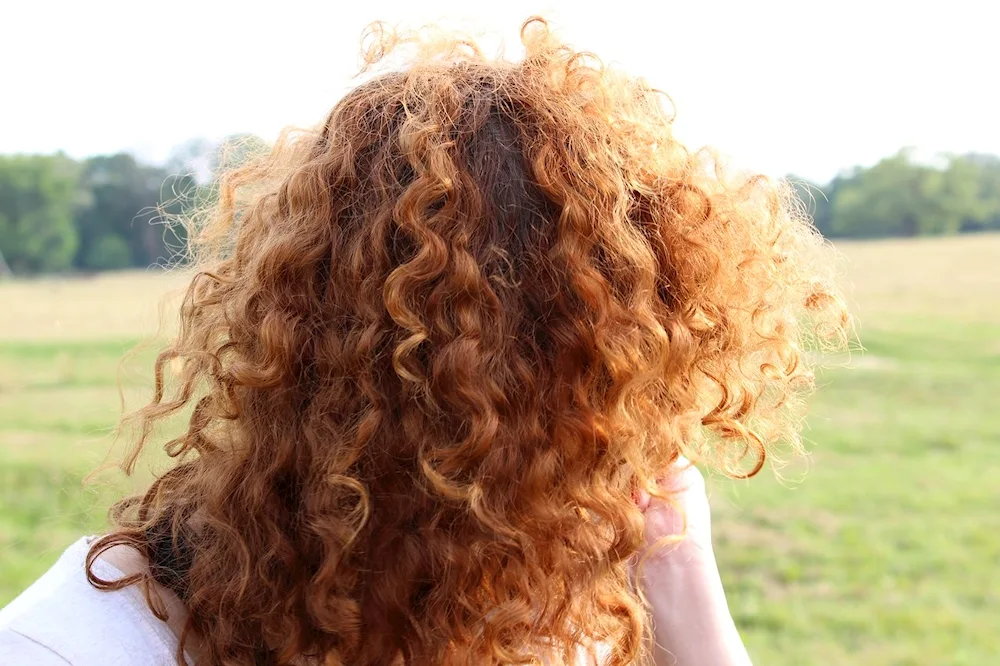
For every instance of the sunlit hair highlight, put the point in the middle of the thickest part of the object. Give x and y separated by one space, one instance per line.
434 347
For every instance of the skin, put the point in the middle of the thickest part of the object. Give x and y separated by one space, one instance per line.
692 624
681 580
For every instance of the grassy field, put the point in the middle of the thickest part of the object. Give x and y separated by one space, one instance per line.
883 549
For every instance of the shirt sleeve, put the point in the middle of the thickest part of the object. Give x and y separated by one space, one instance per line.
18 650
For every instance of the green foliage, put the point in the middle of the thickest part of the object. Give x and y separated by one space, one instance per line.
901 197
129 202
109 211
981 175
109 252
818 201
37 197
898 198
236 150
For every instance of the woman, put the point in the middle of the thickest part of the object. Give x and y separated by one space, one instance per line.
442 366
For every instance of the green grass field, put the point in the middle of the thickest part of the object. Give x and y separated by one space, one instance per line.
882 548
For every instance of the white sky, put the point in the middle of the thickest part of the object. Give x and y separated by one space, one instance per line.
783 86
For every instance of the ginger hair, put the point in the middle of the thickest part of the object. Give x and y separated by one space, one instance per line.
437 343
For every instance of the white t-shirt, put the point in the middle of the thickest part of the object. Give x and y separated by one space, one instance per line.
62 619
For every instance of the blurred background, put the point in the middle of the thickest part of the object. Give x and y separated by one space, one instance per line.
882 548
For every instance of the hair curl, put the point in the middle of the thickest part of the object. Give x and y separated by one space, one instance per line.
436 344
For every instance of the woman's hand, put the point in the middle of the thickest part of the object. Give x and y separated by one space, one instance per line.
678 573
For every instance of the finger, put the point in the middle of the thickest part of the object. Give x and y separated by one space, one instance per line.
681 477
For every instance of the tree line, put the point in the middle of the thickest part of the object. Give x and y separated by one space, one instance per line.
112 211
900 196
103 213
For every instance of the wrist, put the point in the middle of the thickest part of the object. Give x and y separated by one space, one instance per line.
689 612
683 586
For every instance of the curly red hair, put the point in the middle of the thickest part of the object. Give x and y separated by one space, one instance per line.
436 345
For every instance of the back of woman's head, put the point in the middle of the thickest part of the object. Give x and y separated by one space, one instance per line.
438 343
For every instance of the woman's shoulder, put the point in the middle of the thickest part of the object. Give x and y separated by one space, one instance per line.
62 619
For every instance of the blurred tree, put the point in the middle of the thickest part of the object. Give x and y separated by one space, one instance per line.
132 203
981 174
196 157
204 164
108 252
37 197
818 201
898 197
236 150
